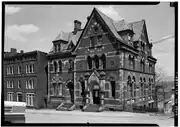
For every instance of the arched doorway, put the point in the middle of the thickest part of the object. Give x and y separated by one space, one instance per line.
95 91
70 86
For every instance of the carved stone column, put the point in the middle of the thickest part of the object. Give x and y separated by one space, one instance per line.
87 92
49 90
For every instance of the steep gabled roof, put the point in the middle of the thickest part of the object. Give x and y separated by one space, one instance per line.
109 23
114 27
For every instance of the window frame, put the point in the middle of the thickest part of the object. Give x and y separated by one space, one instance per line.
10 96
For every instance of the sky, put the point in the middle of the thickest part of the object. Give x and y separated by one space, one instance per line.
34 27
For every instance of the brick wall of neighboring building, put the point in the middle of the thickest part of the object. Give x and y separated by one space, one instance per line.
39 61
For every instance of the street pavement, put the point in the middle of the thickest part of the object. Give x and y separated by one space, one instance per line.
53 116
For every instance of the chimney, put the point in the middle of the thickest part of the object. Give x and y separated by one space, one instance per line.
21 51
77 25
13 50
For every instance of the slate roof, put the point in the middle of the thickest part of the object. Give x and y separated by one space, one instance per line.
69 38
114 27
109 23
62 36
121 25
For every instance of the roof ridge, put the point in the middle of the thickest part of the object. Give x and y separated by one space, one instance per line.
103 14
136 21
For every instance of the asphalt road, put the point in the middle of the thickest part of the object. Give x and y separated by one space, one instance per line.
52 116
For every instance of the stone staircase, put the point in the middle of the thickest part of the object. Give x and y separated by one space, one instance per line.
66 107
92 108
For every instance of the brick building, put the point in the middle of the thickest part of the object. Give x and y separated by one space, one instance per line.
25 77
106 63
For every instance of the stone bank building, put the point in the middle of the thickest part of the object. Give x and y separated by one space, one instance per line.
105 63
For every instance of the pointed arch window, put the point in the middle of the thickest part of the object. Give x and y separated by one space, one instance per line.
142 87
55 66
60 66
134 86
96 60
144 83
131 62
142 65
89 60
150 87
129 85
103 59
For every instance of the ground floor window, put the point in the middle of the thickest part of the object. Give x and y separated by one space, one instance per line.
30 99
19 97
113 89
57 89
10 96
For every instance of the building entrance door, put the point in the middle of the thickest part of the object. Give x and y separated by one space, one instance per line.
96 96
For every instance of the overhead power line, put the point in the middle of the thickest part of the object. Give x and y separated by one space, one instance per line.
163 39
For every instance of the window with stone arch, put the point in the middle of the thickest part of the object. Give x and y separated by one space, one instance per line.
142 87
134 86
59 66
103 60
144 82
89 60
55 66
113 86
129 86
150 87
96 61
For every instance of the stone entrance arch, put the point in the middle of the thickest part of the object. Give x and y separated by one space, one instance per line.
94 89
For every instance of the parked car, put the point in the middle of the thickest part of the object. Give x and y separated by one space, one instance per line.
14 112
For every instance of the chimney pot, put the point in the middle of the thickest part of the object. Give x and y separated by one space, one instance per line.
21 51
13 50
77 25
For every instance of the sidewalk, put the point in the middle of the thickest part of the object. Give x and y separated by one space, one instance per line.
79 112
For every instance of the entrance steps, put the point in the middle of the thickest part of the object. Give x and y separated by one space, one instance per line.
66 107
92 108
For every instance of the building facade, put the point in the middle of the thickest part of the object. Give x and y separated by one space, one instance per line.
25 77
107 62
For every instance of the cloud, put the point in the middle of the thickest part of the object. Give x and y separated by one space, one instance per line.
164 53
11 9
111 12
17 32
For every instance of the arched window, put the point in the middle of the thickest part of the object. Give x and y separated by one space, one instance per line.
96 60
134 84
129 85
150 86
142 88
60 65
89 60
55 66
144 80
103 59
113 88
